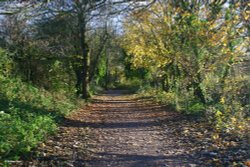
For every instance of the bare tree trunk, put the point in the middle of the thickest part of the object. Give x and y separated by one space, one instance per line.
85 80
78 81
84 50
107 70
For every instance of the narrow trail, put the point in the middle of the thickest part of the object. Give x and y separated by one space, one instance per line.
130 133
118 130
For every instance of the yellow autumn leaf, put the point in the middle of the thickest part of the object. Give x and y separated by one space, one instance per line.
43 145
241 127
222 100
233 119
215 136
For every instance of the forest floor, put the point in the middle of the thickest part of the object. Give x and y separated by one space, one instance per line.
120 130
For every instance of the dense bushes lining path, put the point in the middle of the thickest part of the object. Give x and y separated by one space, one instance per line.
120 130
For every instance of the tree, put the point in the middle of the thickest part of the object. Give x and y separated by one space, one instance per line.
185 41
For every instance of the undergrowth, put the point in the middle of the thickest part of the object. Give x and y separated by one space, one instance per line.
186 104
228 115
27 116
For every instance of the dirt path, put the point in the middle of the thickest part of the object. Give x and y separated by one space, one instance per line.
131 134
126 132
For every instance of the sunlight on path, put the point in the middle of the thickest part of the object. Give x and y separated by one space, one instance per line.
119 130
130 134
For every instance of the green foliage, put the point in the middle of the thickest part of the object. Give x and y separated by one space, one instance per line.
227 109
131 84
18 136
6 63
95 89
231 112
17 91
193 54
186 105
27 114
196 109
158 95
100 75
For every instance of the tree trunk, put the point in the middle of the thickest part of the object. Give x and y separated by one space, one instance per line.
166 86
197 84
84 49
78 81
198 91
107 71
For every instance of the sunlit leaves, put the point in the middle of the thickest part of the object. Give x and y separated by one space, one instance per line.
189 45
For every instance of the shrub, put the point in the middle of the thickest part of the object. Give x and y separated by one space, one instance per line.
196 109
18 136
28 115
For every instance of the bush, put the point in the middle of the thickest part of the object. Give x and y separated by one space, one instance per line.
18 136
157 95
17 91
231 112
132 84
6 64
196 108
28 115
